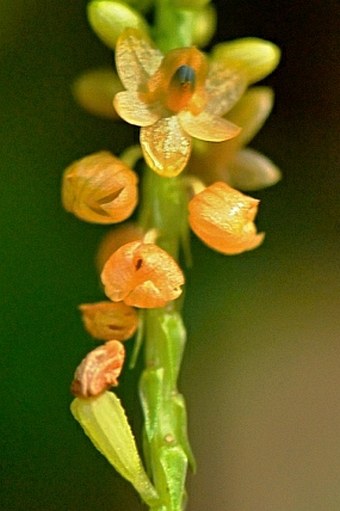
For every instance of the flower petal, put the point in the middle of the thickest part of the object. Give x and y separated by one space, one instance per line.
134 111
206 126
251 112
166 146
251 170
224 86
136 59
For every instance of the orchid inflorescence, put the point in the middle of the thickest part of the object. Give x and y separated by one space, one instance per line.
196 113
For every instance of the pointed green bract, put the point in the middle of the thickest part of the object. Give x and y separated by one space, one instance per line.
104 421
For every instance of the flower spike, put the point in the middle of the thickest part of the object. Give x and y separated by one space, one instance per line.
173 98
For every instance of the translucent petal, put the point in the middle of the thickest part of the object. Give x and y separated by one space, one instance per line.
224 87
136 59
255 57
250 171
208 127
251 112
133 110
166 146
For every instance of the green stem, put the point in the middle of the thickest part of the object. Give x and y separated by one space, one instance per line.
164 208
173 26
166 445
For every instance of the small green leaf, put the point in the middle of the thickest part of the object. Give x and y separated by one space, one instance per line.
151 386
174 463
104 421
180 414
175 337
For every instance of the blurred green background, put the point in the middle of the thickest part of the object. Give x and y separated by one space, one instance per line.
261 370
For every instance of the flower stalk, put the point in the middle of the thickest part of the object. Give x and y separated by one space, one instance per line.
181 99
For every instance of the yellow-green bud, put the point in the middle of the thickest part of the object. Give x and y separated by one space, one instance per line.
255 57
204 25
109 18
95 89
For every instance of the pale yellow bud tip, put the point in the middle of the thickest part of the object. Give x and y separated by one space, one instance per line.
108 19
257 58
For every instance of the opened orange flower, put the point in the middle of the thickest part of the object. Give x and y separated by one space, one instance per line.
173 98
100 188
108 320
142 275
223 218
99 370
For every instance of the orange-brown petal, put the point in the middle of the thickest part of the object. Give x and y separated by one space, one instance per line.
223 219
99 370
100 188
108 320
142 275
167 88
166 147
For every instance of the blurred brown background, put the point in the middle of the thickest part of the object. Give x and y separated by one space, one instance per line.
261 370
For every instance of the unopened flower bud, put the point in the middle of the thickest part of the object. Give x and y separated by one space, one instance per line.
100 188
114 239
95 89
109 18
204 25
223 219
142 275
108 320
99 370
256 58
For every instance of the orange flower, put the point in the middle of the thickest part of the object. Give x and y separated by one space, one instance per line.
99 370
223 219
107 320
100 188
173 98
142 275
